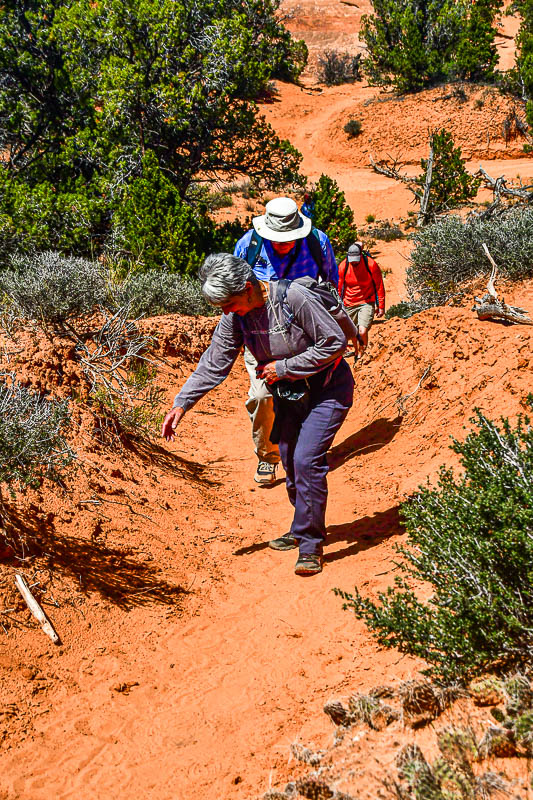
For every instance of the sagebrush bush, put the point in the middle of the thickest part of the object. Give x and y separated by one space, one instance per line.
387 232
156 292
51 288
353 127
336 68
32 443
404 309
471 540
448 254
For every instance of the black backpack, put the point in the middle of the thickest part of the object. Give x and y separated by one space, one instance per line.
313 243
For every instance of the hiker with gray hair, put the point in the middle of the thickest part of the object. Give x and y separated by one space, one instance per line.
298 348
282 244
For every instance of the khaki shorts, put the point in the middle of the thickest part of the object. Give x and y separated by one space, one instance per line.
362 315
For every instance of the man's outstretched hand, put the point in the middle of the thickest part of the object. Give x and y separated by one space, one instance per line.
171 422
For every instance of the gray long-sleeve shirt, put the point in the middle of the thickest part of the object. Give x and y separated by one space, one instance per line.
300 335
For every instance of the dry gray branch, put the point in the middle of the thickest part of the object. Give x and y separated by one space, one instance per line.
501 189
490 307
422 214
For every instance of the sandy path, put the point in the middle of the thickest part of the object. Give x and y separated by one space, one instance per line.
221 696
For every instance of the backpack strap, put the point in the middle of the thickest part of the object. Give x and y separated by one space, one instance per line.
343 284
254 248
365 259
282 287
315 248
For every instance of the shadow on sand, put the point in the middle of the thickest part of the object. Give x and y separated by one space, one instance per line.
372 437
363 533
116 574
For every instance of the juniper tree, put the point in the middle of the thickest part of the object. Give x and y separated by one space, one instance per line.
449 184
413 44
332 214
88 89
524 60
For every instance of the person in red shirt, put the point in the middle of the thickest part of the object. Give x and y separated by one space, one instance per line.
361 289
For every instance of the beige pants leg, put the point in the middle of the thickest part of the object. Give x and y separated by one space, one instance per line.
261 410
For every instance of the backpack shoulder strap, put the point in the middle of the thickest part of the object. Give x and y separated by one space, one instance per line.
315 248
365 255
342 277
254 248
282 287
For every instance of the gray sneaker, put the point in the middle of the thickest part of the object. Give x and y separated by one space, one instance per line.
266 473
309 564
286 542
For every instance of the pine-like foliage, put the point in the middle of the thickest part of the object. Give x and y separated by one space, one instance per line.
451 184
471 539
524 60
332 214
476 56
413 44
89 90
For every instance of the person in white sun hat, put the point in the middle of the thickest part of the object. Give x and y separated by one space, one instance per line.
282 244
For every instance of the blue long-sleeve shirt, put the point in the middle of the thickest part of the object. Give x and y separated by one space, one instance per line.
269 266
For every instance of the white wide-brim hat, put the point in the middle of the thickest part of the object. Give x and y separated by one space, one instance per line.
282 222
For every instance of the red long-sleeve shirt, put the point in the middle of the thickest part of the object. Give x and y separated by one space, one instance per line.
359 287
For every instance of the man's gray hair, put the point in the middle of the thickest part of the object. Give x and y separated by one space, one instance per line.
223 276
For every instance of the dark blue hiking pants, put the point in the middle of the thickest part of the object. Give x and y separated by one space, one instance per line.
303 445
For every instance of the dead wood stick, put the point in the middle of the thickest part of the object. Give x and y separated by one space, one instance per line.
36 609
490 285
383 168
422 214
499 187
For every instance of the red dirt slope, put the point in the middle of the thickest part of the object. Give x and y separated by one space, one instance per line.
192 655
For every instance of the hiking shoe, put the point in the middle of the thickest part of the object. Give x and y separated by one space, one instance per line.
286 542
266 473
308 564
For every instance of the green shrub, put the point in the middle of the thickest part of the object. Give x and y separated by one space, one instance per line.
332 214
218 200
448 254
51 289
476 56
336 68
451 184
413 44
87 89
41 217
403 310
370 218
470 540
523 74
156 292
353 127
32 443
153 227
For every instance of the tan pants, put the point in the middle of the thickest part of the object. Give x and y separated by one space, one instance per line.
261 411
